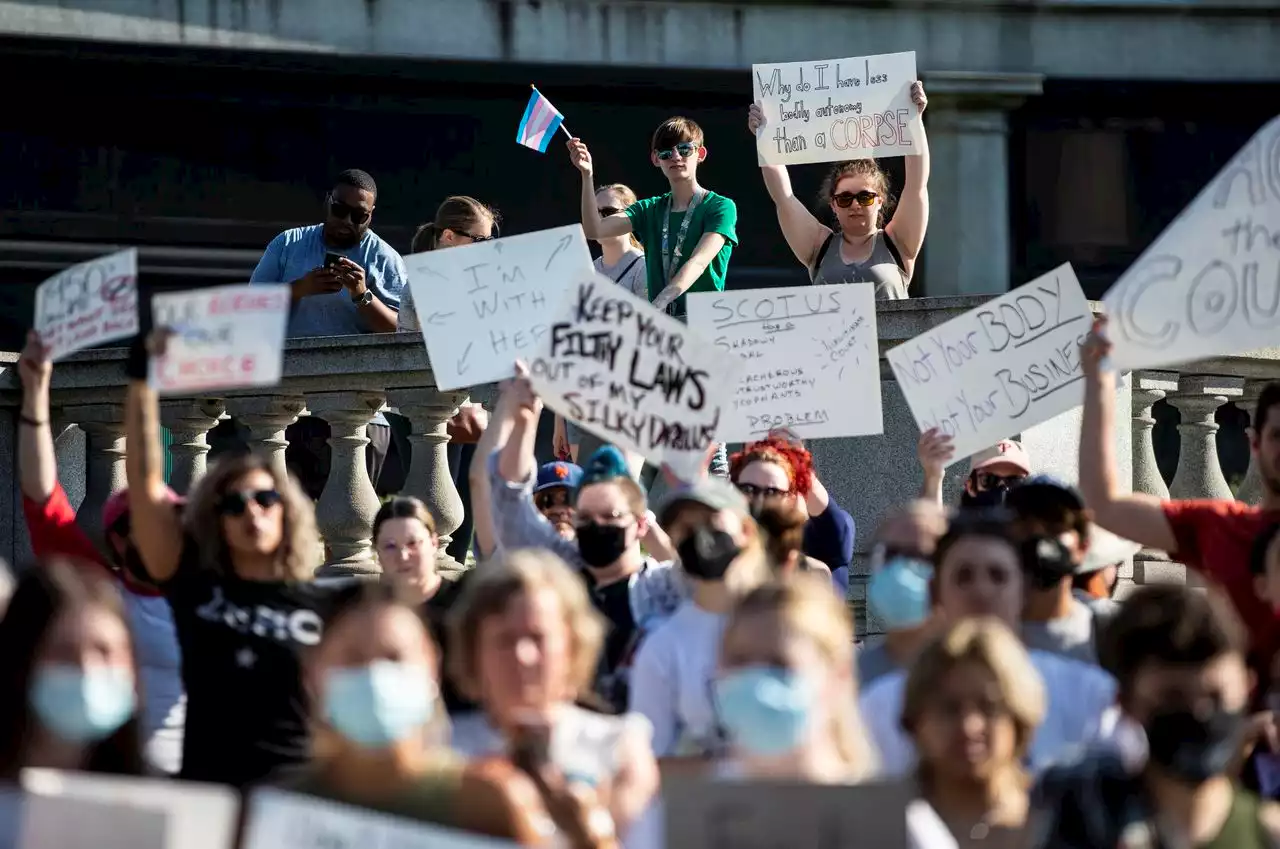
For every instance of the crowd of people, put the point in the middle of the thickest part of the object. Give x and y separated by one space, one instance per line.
620 625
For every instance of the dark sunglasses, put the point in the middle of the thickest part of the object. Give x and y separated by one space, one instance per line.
685 149
473 238
236 503
750 490
986 480
551 498
341 211
606 211
844 200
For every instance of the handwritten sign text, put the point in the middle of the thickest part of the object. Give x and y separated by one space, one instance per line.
89 304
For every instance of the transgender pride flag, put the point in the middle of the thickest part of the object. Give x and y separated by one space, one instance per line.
539 124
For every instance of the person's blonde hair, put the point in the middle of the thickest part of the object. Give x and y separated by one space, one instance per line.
489 593
808 609
989 642
296 556
628 197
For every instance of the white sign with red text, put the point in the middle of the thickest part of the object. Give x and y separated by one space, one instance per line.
226 337
89 304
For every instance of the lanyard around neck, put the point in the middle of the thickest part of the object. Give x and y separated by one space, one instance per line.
672 260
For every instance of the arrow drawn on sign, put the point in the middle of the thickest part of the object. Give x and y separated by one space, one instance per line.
564 243
437 318
462 361
432 272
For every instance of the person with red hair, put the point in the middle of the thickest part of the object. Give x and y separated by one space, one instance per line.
780 467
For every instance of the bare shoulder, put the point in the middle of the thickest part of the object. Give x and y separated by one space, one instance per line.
498 800
1269 819
816 567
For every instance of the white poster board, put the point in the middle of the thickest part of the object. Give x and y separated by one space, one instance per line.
89 824
1210 284
833 110
634 376
483 306
810 359
280 820
1008 365
89 304
226 337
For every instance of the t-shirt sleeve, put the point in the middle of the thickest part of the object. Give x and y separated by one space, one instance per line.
830 537
1188 519
722 218
271 267
643 215
394 278
53 529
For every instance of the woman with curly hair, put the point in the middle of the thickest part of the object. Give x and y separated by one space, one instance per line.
780 469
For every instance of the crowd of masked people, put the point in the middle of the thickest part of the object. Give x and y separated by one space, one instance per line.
620 624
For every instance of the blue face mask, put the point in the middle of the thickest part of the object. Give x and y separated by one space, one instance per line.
766 710
898 593
83 705
380 704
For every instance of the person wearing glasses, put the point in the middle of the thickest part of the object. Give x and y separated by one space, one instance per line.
867 250
992 471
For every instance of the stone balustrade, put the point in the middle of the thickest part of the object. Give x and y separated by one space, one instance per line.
345 380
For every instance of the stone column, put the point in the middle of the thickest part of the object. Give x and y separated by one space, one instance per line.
1250 491
267 417
103 425
189 420
348 503
968 248
429 411
1198 397
1148 388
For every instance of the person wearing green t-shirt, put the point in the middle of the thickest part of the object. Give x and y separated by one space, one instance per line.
688 233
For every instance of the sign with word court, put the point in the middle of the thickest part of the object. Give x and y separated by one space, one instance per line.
1210 284
810 359
226 337
89 304
837 109
1008 365
281 820
634 376
483 306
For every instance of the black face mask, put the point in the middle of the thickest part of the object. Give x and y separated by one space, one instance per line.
993 497
1046 561
707 553
1191 749
601 545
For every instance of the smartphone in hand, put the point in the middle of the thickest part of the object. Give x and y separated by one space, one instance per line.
332 260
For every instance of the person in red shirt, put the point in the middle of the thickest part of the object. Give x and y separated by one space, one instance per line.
1213 537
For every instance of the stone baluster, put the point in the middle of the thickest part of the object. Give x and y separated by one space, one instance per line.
1148 388
429 411
103 425
189 420
1250 491
1198 397
348 502
267 417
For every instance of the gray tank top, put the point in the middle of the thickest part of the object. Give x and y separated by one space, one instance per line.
880 269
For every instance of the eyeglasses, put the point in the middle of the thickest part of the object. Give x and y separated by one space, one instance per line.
685 149
751 491
343 211
606 211
551 498
236 503
844 200
986 480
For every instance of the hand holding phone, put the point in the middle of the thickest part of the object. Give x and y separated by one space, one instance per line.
332 260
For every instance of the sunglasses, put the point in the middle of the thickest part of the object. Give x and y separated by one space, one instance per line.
342 211
685 149
473 237
844 200
551 498
236 503
752 491
606 211
986 480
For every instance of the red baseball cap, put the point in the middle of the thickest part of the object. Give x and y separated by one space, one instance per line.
118 505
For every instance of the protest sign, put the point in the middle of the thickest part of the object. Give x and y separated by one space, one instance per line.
227 337
89 304
634 376
1012 363
1210 284
837 109
87 824
810 359
483 306
712 813
281 820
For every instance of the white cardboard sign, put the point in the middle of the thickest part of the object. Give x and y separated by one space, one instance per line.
810 359
634 376
89 304
226 337
1008 365
833 110
1210 284
483 306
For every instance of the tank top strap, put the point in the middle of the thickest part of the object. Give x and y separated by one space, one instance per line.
1243 828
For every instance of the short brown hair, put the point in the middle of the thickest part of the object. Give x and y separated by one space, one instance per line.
404 507
673 131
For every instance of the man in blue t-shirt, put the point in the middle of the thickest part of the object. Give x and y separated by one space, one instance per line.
345 280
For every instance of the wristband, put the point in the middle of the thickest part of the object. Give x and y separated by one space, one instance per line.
30 422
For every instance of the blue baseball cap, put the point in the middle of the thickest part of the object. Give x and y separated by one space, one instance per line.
558 473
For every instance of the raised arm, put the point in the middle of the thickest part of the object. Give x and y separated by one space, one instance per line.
37 459
911 219
934 450
593 226
1134 516
495 436
157 526
804 232
708 246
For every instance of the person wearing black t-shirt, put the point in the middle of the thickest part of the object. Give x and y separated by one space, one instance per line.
236 567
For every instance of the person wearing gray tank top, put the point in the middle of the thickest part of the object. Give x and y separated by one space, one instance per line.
861 248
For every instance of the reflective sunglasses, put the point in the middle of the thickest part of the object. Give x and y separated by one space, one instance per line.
343 211
236 503
752 491
685 149
844 200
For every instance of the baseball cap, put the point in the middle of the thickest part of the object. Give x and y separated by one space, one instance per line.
1004 451
558 473
713 493
1045 487
117 505
1106 549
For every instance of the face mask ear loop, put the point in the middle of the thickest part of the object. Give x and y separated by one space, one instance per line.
878 555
